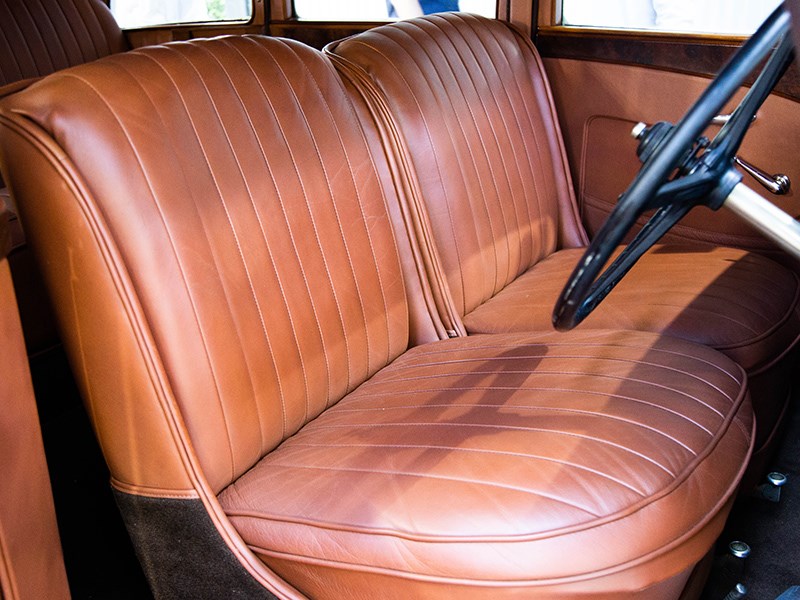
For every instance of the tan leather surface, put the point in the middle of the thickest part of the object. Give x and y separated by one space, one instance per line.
123 393
489 460
38 37
414 84
31 564
216 234
740 303
440 97
425 323
737 302
597 126
254 341
362 586
483 143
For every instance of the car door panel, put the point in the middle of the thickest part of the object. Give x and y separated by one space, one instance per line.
598 104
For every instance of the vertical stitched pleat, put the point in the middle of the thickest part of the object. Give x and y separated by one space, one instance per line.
54 32
89 31
38 38
470 100
11 68
273 285
27 46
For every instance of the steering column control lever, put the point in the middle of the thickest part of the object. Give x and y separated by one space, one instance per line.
723 119
770 220
650 136
778 184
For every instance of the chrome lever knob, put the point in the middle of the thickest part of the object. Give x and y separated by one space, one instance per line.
638 130
778 184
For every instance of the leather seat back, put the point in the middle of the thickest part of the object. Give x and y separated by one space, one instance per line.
481 134
39 37
259 298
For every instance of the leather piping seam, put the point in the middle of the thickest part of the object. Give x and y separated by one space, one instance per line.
29 130
768 365
151 492
414 211
572 210
610 571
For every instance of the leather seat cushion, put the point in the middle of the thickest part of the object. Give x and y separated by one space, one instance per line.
521 462
738 302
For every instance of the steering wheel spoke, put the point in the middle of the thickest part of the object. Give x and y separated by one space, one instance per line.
730 136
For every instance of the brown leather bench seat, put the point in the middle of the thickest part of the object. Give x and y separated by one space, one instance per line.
223 241
465 105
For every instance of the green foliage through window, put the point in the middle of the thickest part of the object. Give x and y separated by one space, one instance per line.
216 9
148 13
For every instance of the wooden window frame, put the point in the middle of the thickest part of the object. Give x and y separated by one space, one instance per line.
284 23
692 53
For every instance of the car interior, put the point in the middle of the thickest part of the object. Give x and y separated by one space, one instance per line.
448 306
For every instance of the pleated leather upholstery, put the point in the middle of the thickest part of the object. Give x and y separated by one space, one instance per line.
534 464
475 114
268 299
464 104
468 96
219 242
38 37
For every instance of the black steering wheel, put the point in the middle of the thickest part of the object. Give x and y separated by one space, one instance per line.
680 170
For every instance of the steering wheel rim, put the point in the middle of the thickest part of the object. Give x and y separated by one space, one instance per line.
708 178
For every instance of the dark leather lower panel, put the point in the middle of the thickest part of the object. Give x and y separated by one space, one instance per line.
181 552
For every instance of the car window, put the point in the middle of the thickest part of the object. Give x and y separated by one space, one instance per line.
740 17
381 10
131 14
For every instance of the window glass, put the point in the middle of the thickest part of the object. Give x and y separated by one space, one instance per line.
146 13
381 10
701 16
